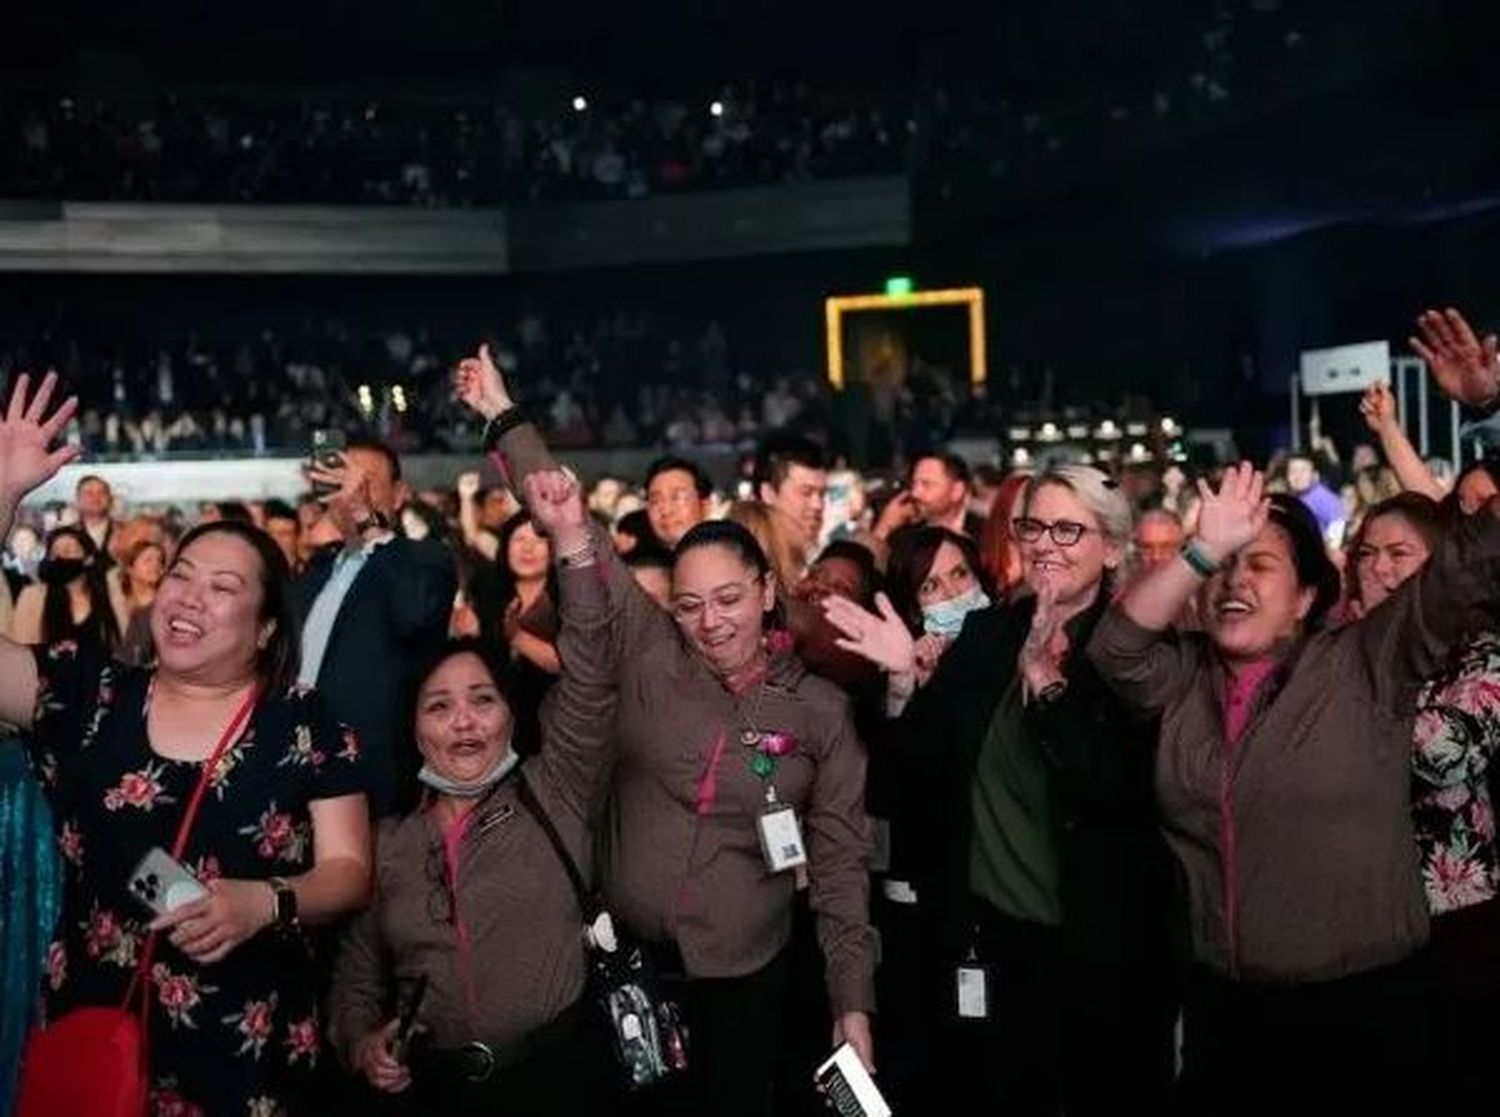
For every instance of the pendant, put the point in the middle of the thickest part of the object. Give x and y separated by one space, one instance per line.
749 738
762 765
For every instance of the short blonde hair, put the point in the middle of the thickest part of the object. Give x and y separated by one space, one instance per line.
1095 490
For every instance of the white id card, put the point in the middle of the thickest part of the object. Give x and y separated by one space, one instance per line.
781 838
973 993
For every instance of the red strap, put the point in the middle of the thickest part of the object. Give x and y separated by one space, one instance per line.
141 977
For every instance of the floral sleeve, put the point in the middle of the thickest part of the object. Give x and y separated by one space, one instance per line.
328 749
75 690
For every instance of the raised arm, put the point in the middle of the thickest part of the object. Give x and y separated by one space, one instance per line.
578 714
1379 410
1466 368
1134 648
27 461
519 451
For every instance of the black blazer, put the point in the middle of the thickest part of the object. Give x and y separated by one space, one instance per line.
1117 881
394 617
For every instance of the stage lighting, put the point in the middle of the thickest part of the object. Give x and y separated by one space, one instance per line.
716 109
580 104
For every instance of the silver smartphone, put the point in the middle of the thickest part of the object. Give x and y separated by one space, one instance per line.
163 883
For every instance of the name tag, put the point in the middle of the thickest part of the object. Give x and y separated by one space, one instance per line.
973 989
781 838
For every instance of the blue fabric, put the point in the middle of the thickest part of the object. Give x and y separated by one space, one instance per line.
30 890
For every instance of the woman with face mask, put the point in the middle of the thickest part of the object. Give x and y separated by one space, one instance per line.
1031 836
471 895
1284 782
735 768
71 600
1454 748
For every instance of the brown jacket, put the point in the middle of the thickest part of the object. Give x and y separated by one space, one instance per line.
1297 845
699 881
525 960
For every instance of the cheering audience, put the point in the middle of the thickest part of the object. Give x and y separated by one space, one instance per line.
1135 754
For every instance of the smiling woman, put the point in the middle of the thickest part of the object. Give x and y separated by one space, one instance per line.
1284 781
281 839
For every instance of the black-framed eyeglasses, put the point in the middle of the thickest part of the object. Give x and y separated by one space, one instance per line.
1065 533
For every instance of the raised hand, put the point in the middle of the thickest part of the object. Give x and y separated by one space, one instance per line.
557 507
1378 406
26 434
884 640
479 385
1230 518
348 500
1465 367
1046 644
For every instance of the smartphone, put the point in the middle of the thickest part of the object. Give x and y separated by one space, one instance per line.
847 1087
162 883
328 452
406 1018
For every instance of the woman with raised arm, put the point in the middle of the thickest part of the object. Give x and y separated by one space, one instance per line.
472 898
1284 782
280 841
731 755
1027 826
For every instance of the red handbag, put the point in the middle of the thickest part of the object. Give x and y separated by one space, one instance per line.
95 1062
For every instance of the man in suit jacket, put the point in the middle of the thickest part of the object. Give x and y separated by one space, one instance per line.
372 612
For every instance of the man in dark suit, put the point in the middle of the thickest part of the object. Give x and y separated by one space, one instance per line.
371 612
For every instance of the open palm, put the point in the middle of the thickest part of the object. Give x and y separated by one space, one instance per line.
884 640
1465 367
26 437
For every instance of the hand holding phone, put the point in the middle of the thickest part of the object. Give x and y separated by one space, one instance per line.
327 454
406 1019
162 883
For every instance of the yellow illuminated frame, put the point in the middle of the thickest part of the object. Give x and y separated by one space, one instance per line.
836 307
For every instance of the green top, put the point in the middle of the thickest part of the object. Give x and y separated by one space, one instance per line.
1013 859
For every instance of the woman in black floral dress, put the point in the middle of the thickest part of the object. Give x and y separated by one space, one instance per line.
234 1024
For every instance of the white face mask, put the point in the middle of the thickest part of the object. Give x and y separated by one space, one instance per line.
946 618
471 789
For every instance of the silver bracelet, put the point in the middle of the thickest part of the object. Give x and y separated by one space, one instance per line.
579 556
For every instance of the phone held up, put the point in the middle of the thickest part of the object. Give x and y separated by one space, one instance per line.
327 452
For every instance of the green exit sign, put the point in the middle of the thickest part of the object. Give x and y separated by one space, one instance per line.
898 285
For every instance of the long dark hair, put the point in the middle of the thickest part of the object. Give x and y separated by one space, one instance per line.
1425 515
505 580
57 606
1315 570
913 552
276 664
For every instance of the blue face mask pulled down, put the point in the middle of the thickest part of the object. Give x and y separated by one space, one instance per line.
946 618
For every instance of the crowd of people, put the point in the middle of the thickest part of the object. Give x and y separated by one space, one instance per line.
1064 790
435 152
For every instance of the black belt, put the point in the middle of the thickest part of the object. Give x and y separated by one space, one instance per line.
476 1063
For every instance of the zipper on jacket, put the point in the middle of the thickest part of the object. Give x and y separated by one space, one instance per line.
1227 856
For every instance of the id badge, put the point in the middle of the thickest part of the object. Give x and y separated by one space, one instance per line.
973 988
781 838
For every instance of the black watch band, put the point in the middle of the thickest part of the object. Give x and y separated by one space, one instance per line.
286 904
501 425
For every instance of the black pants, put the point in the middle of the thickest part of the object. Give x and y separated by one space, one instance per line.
1463 959
737 1031
1359 1044
1066 1033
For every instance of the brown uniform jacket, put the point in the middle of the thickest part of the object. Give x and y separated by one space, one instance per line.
698 879
1297 844
524 962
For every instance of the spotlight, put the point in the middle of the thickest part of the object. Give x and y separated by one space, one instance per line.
716 109
1020 457
580 103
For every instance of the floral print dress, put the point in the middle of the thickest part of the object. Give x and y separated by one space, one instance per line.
1456 739
240 1037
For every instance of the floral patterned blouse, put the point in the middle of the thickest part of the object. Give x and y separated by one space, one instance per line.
1456 739
240 1037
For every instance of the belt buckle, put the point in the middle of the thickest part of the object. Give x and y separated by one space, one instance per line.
484 1060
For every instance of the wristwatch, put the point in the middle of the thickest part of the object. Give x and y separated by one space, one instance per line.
286 904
